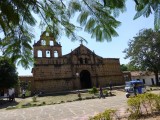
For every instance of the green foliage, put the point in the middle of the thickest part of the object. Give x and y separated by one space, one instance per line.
132 67
98 18
146 8
17 17
105 92
93 90
28 93
106 115
17 46
157 103
143 104
34 98
134 104
124 67
144 50
129 67
8 74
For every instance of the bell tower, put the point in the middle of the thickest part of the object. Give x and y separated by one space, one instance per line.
47 47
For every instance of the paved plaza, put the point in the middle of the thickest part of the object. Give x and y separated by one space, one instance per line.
78 110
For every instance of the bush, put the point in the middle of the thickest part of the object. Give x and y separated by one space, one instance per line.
138 106
105 92
34 98
134 107
143 104
43 103
108 114
62 101
93 90
28 93
157 103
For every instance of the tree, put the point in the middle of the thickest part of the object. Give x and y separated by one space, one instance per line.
17 17
144 51
129 67
146 8
132 67
18 47
8 74
55 15
124 67
97 17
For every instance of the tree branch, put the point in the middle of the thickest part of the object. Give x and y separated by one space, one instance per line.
73 34
136 2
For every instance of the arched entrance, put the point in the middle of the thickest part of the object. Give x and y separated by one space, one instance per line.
85 79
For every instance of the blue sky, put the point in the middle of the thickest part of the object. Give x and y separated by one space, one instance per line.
128 29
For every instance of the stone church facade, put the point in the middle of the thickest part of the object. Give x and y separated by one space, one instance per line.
79 69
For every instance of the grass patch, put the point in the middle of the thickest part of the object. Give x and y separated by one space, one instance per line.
50 100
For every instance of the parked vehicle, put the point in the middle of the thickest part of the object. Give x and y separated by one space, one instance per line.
134 87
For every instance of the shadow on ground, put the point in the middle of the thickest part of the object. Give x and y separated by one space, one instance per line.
6 103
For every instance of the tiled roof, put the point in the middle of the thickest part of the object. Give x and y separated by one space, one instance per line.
141 73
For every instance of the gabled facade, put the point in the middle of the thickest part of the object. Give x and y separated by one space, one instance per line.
80 69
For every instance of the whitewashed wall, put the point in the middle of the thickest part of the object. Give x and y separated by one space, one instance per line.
147 79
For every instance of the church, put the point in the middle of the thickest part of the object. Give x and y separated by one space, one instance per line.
79 69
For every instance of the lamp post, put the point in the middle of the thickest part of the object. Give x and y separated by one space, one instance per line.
78 92
77 75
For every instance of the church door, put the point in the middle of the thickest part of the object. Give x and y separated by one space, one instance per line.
85 79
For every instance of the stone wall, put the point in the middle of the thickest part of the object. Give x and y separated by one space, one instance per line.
26 78
69 72
48 86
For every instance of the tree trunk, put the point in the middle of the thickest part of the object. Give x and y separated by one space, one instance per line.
156 77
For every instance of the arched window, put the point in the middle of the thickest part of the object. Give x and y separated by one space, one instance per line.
39 53
43 42
48 53
55 54
51 43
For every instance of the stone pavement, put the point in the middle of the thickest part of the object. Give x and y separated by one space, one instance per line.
78 110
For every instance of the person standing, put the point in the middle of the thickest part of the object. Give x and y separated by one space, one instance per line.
110 88
11 93
23 93
135 89
100 92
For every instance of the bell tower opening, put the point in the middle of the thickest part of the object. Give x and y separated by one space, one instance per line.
85 79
